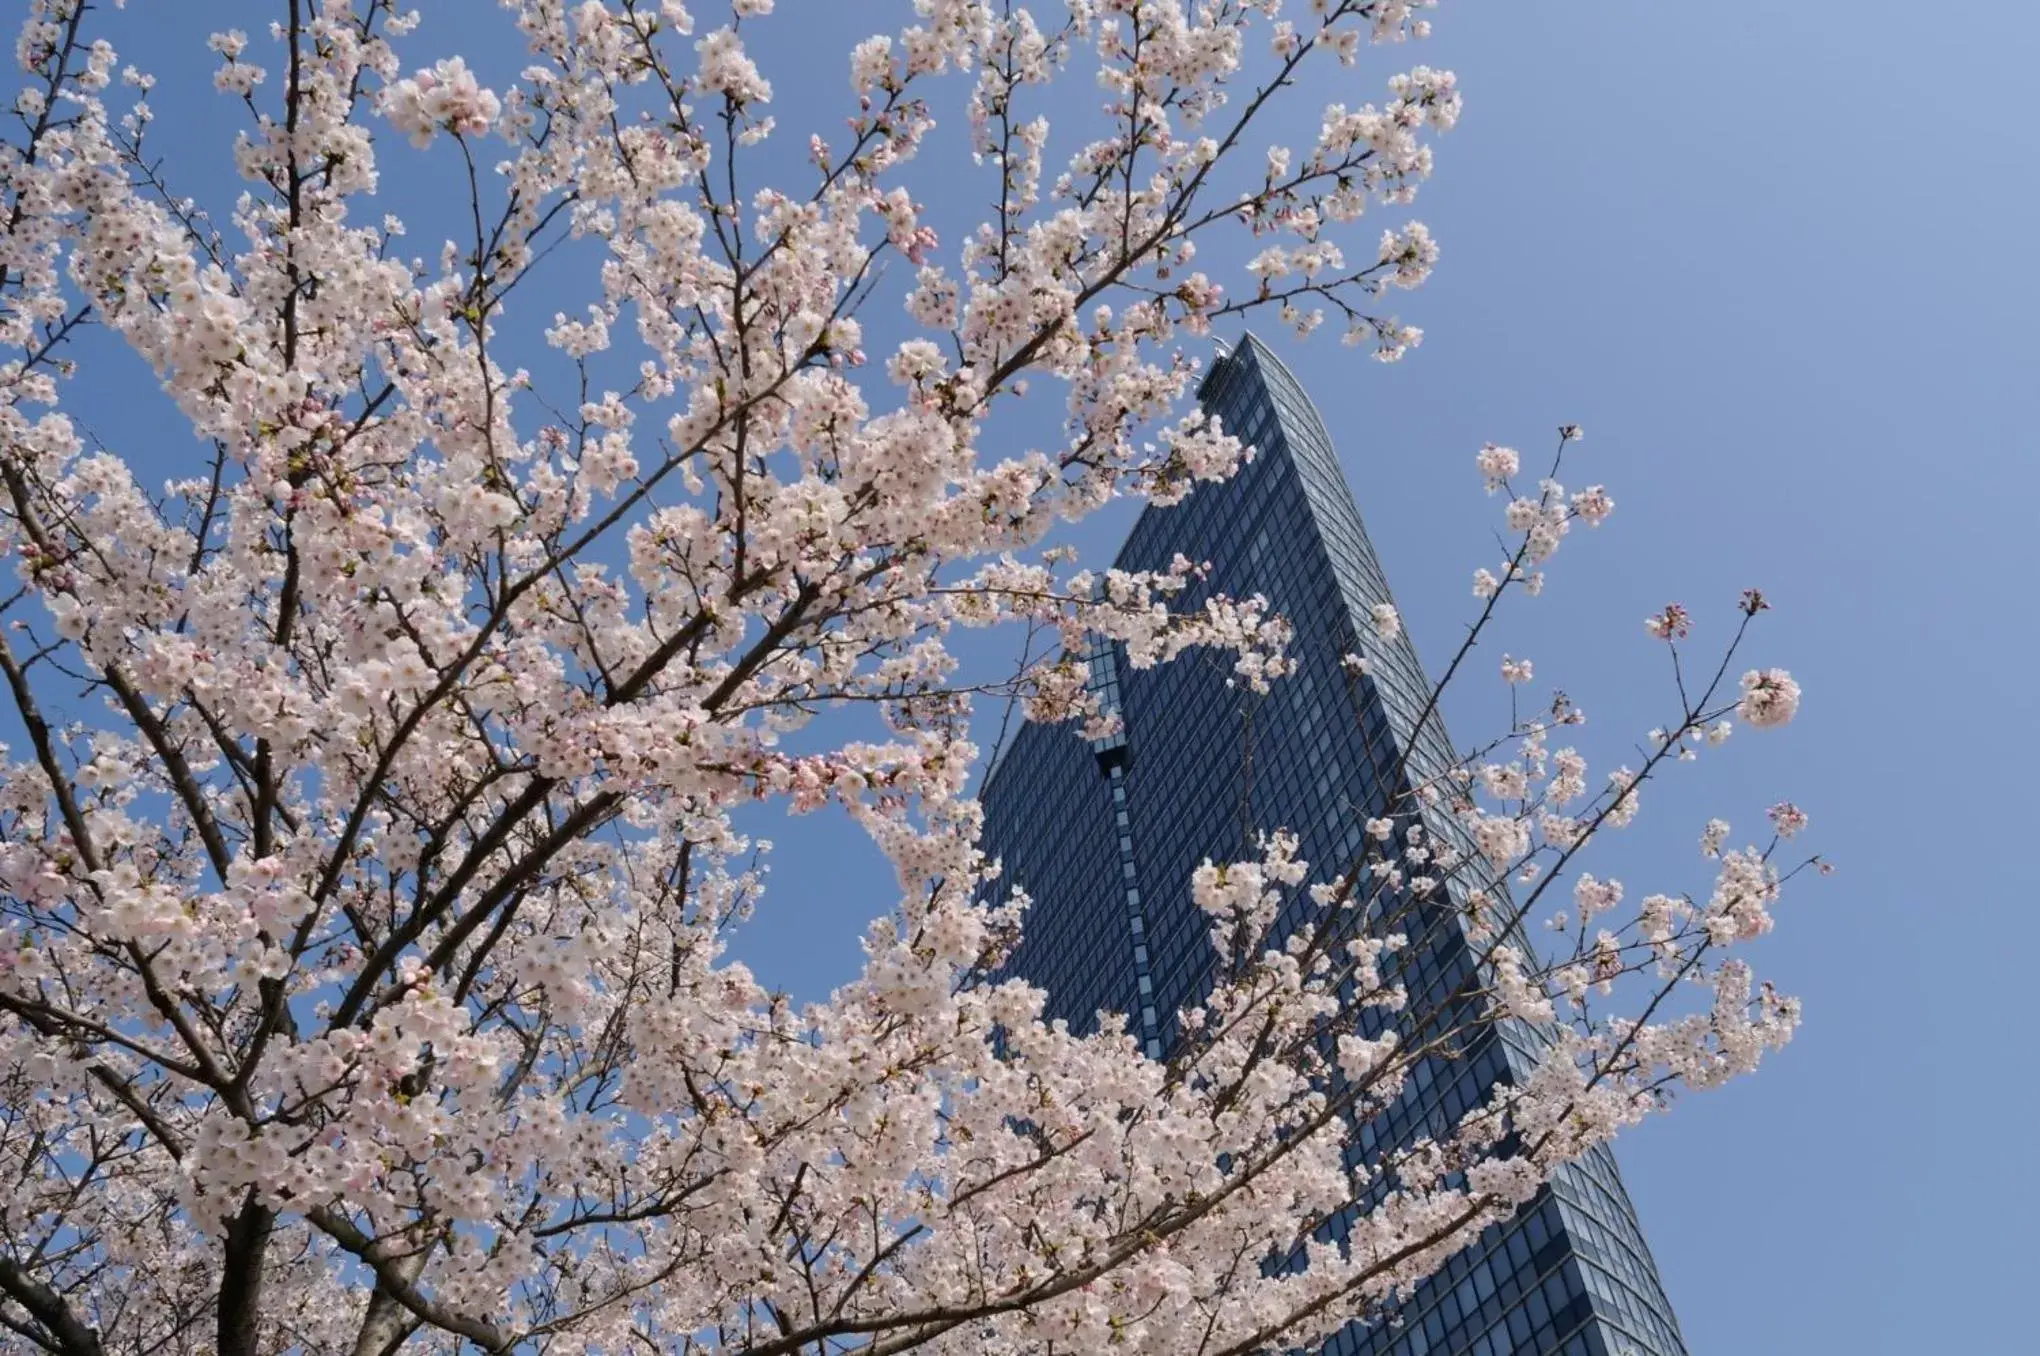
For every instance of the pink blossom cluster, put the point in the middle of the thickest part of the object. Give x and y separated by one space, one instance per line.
444 98
365 923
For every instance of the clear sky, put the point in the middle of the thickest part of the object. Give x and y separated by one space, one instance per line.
1778 260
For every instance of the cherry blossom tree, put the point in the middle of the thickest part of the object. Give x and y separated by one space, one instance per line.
367 851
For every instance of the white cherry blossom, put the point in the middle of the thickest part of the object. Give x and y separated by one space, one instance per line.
372 835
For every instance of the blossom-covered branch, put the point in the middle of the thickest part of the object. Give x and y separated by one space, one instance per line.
370 848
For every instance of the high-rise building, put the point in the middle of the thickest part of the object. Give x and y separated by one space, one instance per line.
1105 835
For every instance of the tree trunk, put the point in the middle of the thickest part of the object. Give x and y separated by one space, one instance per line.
240 1312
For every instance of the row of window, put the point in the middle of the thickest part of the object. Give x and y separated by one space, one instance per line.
1321 750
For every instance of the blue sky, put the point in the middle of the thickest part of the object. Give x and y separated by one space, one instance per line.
1777 259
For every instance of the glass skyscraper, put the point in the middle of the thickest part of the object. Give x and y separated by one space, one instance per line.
1104 837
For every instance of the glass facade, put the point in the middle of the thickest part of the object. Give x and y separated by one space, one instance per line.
1105 836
